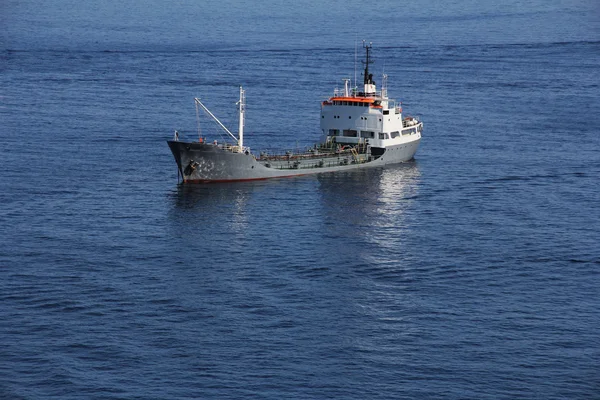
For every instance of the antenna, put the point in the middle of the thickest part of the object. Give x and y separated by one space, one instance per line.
384 86
384 82
355 58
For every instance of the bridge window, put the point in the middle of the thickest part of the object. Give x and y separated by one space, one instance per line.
350 133
395 134
367 134
334 132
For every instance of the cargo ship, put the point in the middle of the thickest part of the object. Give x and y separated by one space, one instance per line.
361 128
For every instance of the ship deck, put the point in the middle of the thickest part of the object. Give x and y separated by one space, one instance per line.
325 155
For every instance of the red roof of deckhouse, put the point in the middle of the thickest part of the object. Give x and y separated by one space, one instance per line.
371 102
355 99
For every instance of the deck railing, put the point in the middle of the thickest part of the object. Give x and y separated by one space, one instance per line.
337 92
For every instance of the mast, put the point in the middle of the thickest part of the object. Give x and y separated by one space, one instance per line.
242 109
368 78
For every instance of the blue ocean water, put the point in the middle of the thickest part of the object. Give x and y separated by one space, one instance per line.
471 272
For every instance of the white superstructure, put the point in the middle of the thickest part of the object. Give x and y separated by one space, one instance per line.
367 117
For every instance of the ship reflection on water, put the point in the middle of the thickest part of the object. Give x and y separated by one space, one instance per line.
363 208
367 194
375 207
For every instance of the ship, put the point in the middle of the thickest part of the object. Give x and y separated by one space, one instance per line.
361 127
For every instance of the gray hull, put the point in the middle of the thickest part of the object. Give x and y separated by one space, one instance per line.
204 162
